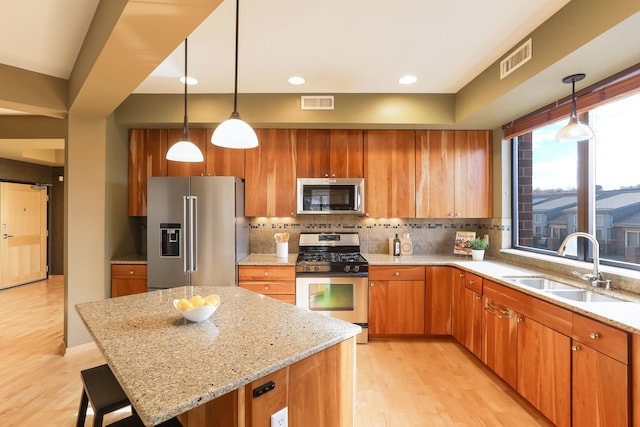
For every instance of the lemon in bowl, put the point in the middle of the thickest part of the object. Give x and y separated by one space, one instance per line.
197 308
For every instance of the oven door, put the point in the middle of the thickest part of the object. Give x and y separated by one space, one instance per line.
345 298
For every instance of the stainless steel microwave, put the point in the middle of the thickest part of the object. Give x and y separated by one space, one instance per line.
342 196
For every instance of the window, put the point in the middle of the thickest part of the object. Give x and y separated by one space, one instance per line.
582 186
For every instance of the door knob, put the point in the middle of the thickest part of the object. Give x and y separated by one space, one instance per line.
6 236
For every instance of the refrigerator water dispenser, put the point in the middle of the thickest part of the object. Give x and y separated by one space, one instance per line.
170 240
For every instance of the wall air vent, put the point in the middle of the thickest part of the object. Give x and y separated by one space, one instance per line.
317 102
516 59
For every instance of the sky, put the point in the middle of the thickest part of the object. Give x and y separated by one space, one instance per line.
617 149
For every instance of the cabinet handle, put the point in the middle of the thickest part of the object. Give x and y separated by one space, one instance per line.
471 282
594 335
372 284
451 214
266 273
266 287
478 297
519 320
491 308
397 273
575 348
461 275
131 272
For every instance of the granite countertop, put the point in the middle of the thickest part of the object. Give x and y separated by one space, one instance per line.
268 259
130 259
167 365
623 315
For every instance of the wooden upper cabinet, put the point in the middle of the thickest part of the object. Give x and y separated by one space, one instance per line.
453 174
270 174
435 177
473 174
147 157
329 153
390 173
199 138
220 161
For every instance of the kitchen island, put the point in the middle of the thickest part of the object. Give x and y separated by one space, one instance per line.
208 371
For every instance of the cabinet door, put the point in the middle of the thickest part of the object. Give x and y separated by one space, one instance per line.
600 388
147 157
270 174
346 153
220 161
500 340
435 178
389 171
199 138
473 322
439 283
473 174
128 279
544 370
396 307
314 148
457 306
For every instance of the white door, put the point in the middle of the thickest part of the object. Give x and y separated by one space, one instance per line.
23 233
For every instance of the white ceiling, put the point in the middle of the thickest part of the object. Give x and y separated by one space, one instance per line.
338 46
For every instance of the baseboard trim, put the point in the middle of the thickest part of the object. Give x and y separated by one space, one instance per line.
80 348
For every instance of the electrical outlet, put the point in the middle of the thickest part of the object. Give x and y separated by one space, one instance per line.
280 418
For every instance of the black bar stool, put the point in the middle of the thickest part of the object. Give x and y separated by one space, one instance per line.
135 421
100 388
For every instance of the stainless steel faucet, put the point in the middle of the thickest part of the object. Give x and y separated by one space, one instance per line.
595 277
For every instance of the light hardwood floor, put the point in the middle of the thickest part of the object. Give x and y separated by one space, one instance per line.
400 383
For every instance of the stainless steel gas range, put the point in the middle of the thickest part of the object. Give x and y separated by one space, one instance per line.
332 277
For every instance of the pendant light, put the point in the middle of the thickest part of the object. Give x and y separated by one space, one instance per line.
574 130
185 150
234 132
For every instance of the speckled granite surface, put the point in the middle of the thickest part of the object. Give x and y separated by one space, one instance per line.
268 259
167 365
130 259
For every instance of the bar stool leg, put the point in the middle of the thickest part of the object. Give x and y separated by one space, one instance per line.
82 412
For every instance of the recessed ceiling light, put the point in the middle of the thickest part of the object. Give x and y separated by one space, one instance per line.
408 80
296 80
191 81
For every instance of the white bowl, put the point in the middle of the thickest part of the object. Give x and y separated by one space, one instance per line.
197 314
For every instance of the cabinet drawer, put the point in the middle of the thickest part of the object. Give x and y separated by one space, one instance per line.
397 273
261 272
472 281
270 288
128 271
606 339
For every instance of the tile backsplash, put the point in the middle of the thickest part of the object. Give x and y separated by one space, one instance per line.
429 236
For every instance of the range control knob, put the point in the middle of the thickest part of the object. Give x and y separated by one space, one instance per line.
317 268
307 268
347 268
356 268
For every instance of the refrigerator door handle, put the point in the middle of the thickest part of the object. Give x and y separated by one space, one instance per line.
184 221
194 233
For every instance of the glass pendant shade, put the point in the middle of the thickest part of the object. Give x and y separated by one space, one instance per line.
234 133
574 131
185 151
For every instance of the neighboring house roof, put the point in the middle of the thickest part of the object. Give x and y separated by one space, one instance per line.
559 203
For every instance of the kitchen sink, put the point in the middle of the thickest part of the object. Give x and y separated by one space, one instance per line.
541 283
582 295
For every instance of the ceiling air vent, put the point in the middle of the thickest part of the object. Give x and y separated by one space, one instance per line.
316 102
516 59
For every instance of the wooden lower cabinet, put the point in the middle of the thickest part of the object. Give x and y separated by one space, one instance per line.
278 282
544 370
128 279
318 391
466 307
396 300
438 283
500 339
600 374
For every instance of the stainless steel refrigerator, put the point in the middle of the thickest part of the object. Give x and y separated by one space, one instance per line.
196 231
